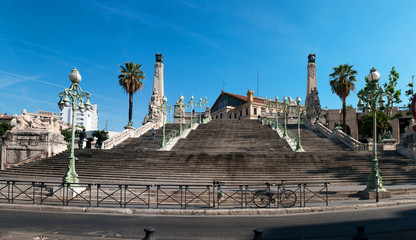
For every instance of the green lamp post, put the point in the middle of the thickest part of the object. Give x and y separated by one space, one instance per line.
164 107
267 102
180 104
201 104
73 96
191 104
285 113
298 145
373 95
277 112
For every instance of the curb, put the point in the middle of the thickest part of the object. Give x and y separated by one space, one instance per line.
201 212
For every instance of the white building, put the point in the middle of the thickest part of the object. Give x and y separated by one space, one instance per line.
87 119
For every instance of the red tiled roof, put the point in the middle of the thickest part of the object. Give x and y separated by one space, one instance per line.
239 97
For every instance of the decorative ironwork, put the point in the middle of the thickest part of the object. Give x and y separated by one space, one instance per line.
216 195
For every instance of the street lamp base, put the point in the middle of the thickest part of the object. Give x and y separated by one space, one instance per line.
70 178
129 126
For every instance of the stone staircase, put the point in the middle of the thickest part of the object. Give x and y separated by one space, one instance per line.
145 142
222 150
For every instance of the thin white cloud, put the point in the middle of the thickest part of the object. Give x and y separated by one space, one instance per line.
8 79
28 99
157 23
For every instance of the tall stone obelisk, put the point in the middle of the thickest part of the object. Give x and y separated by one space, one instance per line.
312 103
155 115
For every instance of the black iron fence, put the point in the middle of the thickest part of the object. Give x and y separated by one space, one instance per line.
217 195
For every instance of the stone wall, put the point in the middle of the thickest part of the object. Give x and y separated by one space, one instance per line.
21 145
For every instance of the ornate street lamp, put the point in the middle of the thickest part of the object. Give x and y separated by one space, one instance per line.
181 105
275 105
191 104
164 107
285 113
298 145
268 104
201 104
75 95
372 96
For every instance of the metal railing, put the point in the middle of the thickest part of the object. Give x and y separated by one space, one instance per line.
173 134
216 195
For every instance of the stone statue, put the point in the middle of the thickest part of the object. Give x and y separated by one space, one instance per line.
409 128
27 122
387 136
313 106
54 126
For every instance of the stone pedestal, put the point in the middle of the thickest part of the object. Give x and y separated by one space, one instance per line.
24 145
372 195
388 144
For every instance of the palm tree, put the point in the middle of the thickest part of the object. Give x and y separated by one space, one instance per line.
342 83
130 79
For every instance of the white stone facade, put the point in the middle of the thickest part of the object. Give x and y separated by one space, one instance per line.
87 119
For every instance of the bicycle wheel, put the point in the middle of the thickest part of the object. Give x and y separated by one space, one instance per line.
288 198
261 199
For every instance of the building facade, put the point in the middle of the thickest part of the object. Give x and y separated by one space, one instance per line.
233 106
87 119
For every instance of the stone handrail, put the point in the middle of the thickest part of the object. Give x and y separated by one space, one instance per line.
127 133
143 129
348 140
324 130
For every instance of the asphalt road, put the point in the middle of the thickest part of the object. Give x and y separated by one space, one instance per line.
381 223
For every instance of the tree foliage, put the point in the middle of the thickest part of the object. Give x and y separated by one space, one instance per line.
4 127
342 83
103 132
131 80
67 134
392 94
409 93
382 121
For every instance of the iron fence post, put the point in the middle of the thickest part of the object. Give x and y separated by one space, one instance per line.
13 182
213 194
304 195
41 193
245 196
186 189
241 194
125 195
33 188
98 189
157 196
90 193
8 191
181 190
148 196
300 197
326 193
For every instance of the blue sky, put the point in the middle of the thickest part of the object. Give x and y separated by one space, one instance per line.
206 45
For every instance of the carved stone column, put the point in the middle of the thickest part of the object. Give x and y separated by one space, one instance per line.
154 114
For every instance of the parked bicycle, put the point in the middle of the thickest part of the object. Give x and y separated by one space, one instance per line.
262 198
